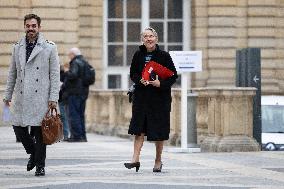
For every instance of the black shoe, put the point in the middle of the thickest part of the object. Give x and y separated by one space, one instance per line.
158 170
31 163
77 140
65 139
132 165
83 140
40 171
73 140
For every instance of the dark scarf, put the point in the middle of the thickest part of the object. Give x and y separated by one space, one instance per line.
29 48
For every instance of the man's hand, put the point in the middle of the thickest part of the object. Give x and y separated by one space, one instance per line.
144 82
7 102
155 83
66 67
52 104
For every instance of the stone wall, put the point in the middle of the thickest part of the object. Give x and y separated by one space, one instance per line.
77 23
59 24
224 119
222 26
219 27
109 113
90 34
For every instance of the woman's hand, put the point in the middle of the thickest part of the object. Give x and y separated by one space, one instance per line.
155 83
144 82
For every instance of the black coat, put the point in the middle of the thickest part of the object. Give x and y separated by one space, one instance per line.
62 76
73 84
151 105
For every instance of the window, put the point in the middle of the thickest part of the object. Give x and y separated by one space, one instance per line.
166 18
272 118
114 81
123 27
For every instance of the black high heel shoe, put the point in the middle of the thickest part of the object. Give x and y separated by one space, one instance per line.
158 170
132 165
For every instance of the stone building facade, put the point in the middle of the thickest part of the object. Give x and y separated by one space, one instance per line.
222 26
107 32
67 23
219 27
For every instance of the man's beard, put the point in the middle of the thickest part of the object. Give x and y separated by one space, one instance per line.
31 35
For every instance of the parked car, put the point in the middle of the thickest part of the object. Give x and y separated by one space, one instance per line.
272 110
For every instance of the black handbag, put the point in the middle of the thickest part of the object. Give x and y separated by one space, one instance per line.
130 93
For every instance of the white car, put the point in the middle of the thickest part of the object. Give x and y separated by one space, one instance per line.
272 110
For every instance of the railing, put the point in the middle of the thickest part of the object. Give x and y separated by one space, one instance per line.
109 112
223 117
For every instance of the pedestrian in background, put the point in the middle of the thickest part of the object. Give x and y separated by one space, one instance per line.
75 95
34 79
152 100
63 104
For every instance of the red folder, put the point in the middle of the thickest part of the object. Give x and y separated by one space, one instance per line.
158 69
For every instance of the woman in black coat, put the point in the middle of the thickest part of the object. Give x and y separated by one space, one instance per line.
152 99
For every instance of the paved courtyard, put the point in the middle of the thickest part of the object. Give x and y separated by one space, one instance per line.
98 164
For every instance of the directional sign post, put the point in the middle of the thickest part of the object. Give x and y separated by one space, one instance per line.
185 63
255 79
248 74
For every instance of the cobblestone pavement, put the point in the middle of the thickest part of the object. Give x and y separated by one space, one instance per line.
99 164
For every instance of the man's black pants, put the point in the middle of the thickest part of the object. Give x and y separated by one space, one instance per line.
33 144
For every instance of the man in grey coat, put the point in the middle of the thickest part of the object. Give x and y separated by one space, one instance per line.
34 79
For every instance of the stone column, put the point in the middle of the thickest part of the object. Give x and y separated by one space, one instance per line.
199 41
229 119
111 110
91 35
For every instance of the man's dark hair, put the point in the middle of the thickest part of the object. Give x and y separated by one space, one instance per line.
31 16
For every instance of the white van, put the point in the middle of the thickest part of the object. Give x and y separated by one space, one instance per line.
272 110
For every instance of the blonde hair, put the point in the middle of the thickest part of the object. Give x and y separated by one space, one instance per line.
149 29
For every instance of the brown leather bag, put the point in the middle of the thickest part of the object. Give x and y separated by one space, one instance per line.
52 127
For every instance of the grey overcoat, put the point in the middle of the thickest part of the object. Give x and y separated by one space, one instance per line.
34 83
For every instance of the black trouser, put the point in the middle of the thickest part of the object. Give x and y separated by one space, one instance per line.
33 146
